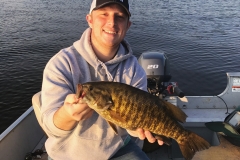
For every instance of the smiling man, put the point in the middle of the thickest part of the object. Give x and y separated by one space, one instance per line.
109 25
74 130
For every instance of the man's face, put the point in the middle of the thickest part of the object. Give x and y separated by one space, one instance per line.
109 25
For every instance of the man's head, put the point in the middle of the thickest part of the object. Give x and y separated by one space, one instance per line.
101 3
109 21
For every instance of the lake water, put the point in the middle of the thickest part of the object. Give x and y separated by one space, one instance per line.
200 37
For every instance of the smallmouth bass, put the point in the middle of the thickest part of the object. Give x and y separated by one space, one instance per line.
131 108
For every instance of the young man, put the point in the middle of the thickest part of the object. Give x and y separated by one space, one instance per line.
75 131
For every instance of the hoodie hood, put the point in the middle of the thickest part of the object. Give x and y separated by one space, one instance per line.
84 48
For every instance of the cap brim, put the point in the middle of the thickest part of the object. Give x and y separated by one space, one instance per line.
102 5
223 127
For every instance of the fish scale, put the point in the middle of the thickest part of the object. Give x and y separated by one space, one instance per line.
131 108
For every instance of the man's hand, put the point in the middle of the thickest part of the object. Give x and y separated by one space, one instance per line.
71 112
142 134
76 109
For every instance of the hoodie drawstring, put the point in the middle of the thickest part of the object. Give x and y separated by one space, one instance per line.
109 76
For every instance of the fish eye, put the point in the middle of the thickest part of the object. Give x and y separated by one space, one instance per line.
90 88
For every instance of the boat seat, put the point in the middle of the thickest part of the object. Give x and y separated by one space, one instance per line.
36 103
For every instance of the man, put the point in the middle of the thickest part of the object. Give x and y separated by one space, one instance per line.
75 131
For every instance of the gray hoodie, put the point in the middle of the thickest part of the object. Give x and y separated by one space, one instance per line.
92 138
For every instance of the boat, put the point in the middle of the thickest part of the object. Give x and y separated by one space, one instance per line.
24 139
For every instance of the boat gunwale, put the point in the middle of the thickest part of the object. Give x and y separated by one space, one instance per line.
15 123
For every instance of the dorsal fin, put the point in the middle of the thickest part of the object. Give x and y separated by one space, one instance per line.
176 112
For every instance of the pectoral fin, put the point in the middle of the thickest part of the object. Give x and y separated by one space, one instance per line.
116 117
113 126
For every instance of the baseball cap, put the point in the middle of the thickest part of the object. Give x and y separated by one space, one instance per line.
229 128
100 3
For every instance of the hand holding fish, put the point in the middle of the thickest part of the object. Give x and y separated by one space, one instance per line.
76 109
71 112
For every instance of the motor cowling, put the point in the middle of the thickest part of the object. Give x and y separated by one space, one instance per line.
157 68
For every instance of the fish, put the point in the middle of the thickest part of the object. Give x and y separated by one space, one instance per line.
131 108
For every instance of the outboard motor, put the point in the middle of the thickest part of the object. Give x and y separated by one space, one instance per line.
156 66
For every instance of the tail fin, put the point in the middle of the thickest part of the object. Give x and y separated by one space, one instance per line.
193 144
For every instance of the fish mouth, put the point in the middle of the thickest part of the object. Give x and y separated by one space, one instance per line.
79 92
82 94
85 97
